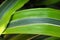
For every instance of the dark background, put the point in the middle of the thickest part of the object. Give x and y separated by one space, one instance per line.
38 4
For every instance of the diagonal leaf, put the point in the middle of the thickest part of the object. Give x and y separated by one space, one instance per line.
45 21
7 9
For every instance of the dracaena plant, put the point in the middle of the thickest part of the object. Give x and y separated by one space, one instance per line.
41 21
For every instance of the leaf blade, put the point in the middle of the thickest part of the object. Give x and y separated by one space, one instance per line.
9 9
37 28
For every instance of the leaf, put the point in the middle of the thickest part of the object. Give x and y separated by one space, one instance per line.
52 38
22 37
7 9
37 12
49 2
25 37
44 21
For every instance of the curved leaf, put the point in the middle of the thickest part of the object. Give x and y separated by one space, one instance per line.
37 12
43 21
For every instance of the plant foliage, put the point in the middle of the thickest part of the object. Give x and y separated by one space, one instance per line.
29 22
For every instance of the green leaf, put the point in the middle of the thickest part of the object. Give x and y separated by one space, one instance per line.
7 9
49 2
37 12
45 21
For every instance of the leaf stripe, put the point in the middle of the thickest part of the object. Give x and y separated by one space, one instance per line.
35 29
33 21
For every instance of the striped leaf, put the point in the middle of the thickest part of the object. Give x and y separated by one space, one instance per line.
7 9
45 21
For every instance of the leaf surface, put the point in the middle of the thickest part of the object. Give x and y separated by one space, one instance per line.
44 21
